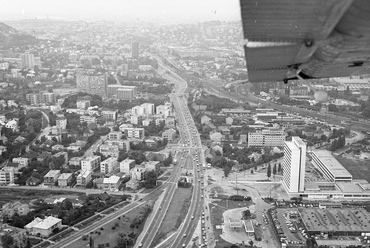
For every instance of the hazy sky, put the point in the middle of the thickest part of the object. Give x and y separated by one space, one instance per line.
117 10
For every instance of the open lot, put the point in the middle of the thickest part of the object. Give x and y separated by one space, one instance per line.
217 208
174 217
358 168
217 220
25 196
109 233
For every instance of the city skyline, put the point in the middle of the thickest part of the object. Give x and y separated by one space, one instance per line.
160 11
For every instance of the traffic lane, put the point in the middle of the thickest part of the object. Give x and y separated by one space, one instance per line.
190 225
96 225
191 212
157 221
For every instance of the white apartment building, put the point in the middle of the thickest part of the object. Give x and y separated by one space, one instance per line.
164 110
294 165
126 165
108 165
109 150
109 114
133 132
88 119
149 108
115 135
122 144
90 163
83 178
135 119
144 109
7 176
266 137
61 123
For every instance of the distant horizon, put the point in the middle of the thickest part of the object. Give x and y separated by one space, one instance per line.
136 11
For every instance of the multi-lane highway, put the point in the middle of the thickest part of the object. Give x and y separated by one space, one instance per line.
191 142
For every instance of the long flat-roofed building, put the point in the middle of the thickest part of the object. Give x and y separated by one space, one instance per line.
337 221
267 137
329 166
294 165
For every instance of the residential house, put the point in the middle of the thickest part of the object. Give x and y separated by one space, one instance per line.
112 183
133 184
109 150
137 173
90 163
169 134
115 135
43 228
122 144
12 124
51 177
9 209
147 122
65 179
108 165
83 178
151 165
126 165
33 181
75 161
19 235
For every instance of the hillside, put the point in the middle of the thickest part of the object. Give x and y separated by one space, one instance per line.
10 37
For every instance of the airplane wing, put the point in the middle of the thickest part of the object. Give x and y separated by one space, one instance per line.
290 39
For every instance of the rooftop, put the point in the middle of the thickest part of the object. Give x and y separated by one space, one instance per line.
336 242
338 219
65 176
112 179
47 223
52 173
331 163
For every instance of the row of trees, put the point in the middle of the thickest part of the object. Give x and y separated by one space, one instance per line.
275 170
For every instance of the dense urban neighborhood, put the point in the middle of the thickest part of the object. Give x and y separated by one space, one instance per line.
122 135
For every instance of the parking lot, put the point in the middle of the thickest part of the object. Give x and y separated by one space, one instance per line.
288 226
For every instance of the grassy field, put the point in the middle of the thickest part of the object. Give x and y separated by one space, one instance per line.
25 195
174 217
360 169
189 163
108 233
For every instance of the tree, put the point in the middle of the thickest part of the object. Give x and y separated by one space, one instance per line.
246 214
7 241
269 171
279 167
274 170
251 243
